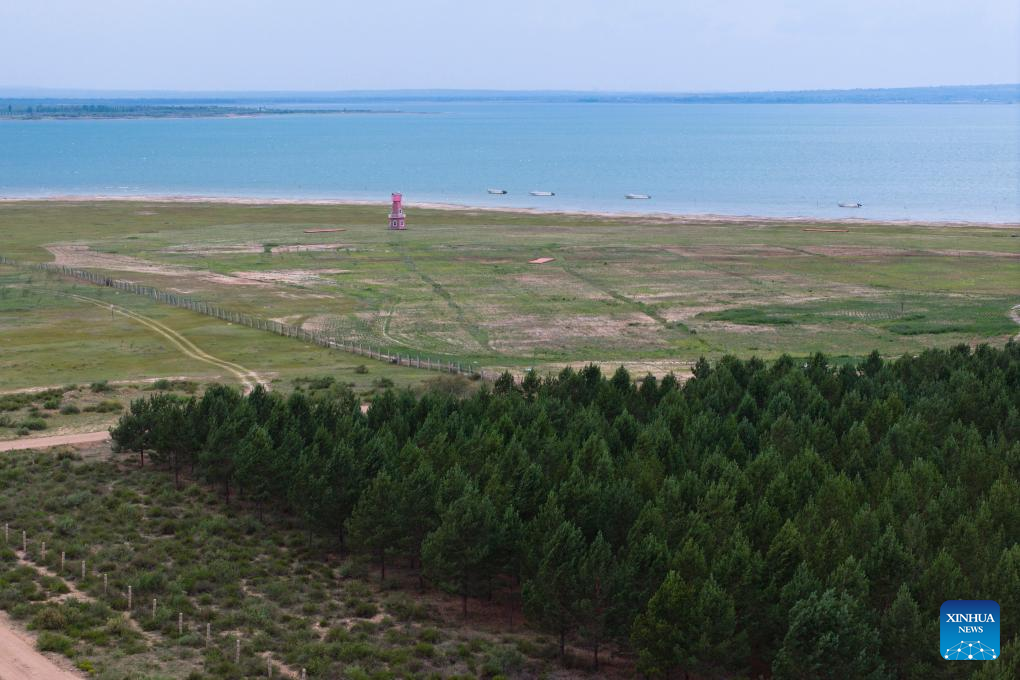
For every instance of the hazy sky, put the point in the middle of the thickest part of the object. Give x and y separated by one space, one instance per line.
649 45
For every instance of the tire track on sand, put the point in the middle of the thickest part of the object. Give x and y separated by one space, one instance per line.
247 377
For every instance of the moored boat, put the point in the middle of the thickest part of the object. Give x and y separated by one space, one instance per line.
637 196
851 205
498 192
543 193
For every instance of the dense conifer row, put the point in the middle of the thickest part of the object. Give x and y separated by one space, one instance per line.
791 518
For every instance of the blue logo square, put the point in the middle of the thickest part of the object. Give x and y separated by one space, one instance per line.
969 630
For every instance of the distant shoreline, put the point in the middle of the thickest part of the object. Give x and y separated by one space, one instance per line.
184 115
657 216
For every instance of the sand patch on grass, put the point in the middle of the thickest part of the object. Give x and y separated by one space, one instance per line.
524 332
214 249
310 247
84 257
296 277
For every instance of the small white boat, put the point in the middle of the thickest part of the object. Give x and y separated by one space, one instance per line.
637 196
498 192
851 205
543 193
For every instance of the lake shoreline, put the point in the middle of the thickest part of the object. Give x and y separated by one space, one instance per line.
647 215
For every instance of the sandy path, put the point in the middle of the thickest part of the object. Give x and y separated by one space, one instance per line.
19 659
54 440
247 377
1014 314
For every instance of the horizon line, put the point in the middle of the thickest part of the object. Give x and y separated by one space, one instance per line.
490 91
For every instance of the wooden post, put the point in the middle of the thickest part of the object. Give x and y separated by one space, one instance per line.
129 598
24 543
208 634
269 668
237 650
180 624
83 570
106 584
42 552
153 609
62 554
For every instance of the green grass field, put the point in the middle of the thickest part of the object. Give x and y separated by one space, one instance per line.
651 293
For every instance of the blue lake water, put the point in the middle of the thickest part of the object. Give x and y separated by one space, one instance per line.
902 161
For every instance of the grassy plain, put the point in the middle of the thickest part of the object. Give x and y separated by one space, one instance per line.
49 338
649 292
282 591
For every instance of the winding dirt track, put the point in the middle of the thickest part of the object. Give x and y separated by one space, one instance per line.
1014 314
19 659
248 377
53 440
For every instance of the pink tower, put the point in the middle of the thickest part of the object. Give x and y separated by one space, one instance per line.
397 213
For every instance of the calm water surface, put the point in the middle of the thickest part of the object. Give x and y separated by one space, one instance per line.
939 162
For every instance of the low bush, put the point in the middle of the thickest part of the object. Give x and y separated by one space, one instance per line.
101 386
105 406
54 642
69 409
33 424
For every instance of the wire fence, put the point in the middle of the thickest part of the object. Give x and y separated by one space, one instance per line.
357 347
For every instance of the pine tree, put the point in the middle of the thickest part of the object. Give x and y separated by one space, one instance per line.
552 596
689 627
597 581
254 466
906 637
829 638
377 524
133 432
459 551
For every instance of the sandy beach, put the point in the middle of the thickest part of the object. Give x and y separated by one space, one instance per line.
651 216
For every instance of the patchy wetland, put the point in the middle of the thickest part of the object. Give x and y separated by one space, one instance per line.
654 293
500 444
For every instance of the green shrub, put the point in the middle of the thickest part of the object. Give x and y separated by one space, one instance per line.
101 386
105 406
52 403
49 618
505 661
69 409
54 642
361 369
33 424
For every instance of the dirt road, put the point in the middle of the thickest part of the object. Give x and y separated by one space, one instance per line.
19 659
247 377
1014 314
54 440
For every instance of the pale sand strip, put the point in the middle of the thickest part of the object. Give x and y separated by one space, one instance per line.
47 442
